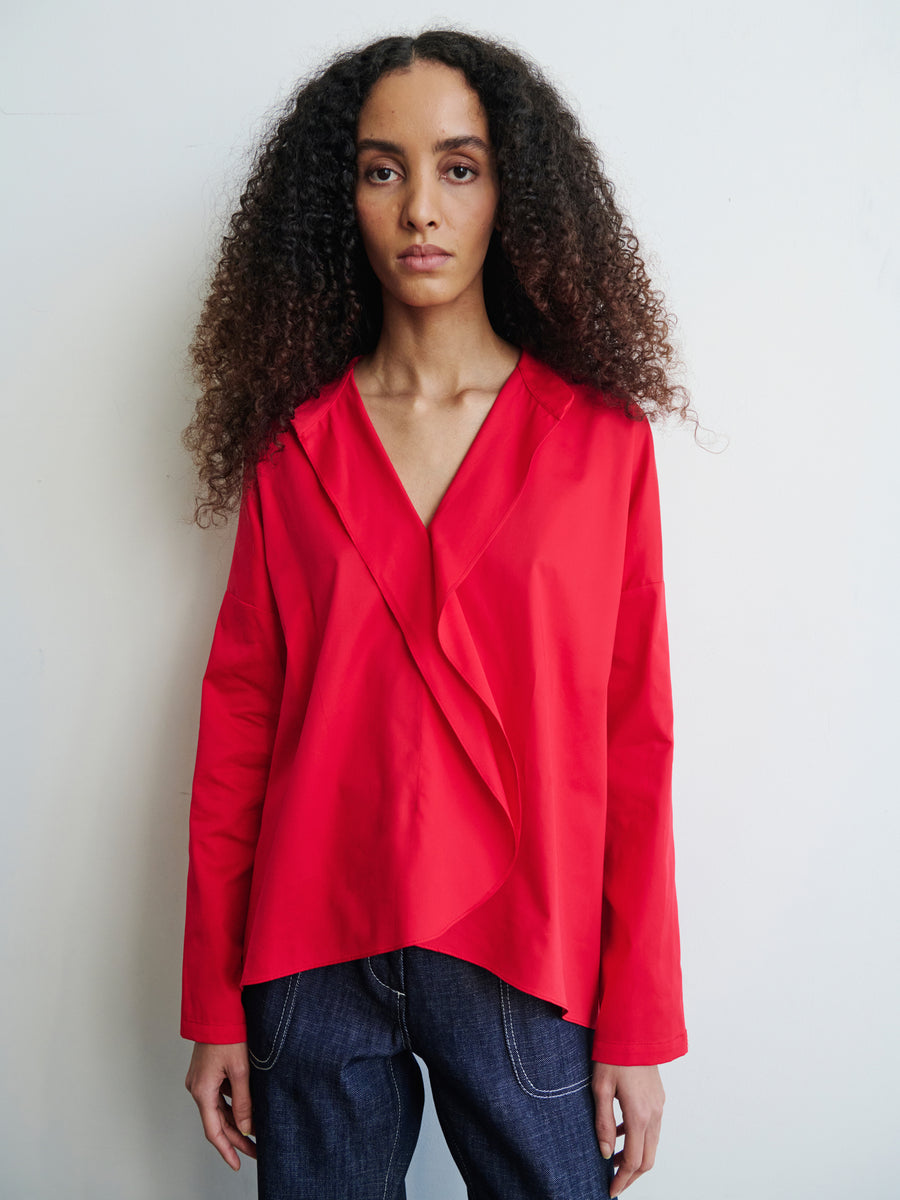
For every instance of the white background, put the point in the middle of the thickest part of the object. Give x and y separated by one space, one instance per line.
755 147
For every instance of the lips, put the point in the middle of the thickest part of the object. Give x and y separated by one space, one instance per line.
426 251
421 260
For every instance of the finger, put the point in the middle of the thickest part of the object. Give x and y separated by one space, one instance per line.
241 1108
630 1160
239 1140
605 1120
215 1126
241 1119
651 1142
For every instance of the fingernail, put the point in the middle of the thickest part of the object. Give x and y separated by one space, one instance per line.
606 1149
245 1130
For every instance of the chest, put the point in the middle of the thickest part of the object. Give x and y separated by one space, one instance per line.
427 444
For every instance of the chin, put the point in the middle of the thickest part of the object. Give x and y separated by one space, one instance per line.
422 297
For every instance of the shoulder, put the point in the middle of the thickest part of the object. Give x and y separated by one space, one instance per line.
285 455
588 412
311 410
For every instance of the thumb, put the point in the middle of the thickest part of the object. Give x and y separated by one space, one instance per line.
241 1109
604 1115
239 1081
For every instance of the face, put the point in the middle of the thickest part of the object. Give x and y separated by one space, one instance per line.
426 185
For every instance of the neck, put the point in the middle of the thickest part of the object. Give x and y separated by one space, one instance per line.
437 351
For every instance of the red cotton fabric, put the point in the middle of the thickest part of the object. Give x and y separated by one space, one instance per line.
456 736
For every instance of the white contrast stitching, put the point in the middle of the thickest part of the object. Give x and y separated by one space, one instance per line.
381 981
387 1178
515 1058
264 1064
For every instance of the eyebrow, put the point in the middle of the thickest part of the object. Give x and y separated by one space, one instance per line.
466 141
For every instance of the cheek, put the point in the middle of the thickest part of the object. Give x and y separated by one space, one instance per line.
369 221
482 226
481 218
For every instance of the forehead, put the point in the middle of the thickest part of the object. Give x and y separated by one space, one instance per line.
427 100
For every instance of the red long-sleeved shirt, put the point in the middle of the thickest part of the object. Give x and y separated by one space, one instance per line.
456 736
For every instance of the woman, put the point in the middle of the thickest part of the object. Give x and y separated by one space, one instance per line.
431 807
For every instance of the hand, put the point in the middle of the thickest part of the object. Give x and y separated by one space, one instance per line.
217 1072
639 1091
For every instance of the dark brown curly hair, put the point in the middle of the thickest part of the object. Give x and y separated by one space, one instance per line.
293 298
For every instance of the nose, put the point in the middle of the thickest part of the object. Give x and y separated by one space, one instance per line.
421 203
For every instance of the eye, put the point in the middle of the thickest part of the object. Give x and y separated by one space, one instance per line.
461 173
381 174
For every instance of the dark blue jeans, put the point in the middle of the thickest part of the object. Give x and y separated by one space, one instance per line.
337 1094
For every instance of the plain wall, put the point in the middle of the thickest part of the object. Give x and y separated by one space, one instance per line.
755 148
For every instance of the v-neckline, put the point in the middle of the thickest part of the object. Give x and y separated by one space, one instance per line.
465 464
401 551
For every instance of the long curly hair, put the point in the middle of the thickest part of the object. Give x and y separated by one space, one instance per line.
293 297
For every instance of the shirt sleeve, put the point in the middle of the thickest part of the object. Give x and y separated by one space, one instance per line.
240 703
641 1019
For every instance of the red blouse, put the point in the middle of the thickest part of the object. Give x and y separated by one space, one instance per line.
457 736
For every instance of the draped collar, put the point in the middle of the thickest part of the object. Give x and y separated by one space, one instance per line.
354 469
419 568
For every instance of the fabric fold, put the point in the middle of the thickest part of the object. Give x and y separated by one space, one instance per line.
417 568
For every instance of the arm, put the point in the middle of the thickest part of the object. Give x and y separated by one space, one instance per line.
640 1020
241 700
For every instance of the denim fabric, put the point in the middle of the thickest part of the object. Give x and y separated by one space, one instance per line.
337 1094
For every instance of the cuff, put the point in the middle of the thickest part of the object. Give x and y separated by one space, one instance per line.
639 1054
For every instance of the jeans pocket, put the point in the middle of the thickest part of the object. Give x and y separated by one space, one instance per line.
550 1057
268 1007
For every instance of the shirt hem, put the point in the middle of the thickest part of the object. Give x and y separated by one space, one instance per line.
638 1054
218 1035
